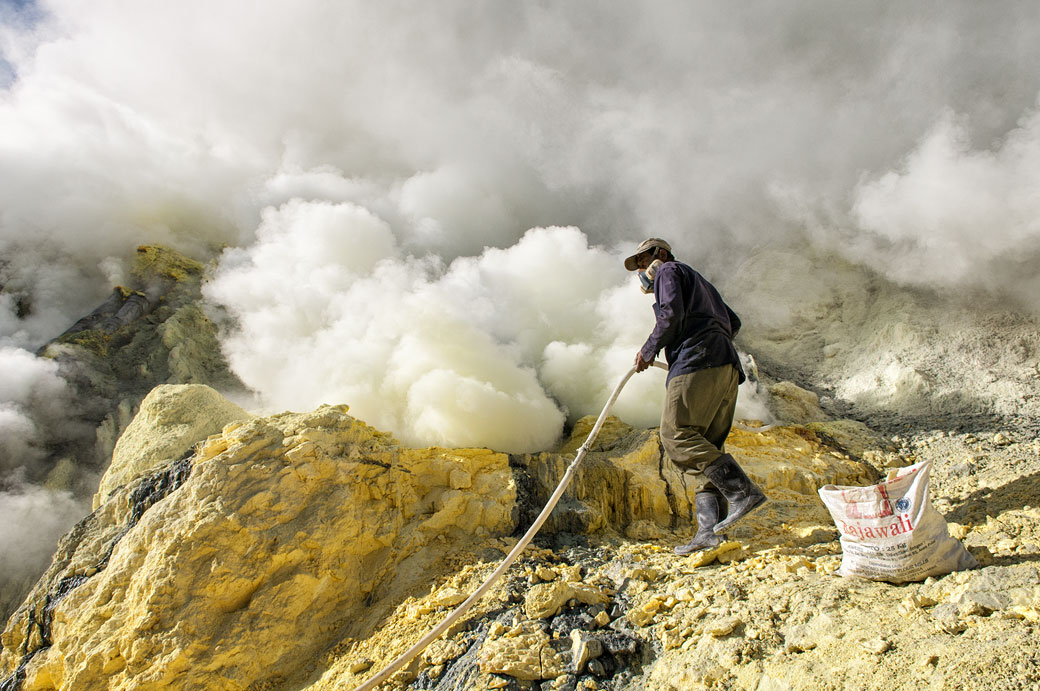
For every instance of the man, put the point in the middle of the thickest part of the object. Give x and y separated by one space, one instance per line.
696 329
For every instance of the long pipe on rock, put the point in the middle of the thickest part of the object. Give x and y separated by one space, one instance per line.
421 644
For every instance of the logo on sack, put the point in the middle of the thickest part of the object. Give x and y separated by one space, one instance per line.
855 511
875 509
903 505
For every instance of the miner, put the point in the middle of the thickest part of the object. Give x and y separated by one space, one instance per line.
695 328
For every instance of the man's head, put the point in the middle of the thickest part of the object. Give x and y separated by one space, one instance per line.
647 252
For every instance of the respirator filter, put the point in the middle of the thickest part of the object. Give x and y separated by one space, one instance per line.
646 278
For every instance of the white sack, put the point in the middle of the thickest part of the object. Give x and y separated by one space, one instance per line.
890 532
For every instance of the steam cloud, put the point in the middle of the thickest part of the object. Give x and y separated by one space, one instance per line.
34 519
928 219
328 310
34 397
425 205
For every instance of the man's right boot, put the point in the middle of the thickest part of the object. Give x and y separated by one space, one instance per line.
741 493
710 507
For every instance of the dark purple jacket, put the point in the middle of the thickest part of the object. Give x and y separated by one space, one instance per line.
694 326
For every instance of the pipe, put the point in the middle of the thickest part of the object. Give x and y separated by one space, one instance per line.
421 644
513 554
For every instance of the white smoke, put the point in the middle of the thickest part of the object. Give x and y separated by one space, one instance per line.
376 170
34 519
34 398
28 540
953 215
328 310
34 403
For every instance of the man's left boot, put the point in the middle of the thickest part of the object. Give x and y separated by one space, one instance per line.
710 507
741 493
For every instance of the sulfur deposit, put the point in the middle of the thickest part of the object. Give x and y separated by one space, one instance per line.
305 551
169 422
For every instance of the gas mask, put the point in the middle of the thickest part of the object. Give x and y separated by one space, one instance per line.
646 278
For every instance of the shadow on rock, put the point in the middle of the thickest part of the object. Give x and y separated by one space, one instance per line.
1017 494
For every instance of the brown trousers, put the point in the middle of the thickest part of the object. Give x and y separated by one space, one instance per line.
698 415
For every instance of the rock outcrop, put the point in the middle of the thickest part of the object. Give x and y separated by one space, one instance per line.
307 550
171 419
276 524
151 332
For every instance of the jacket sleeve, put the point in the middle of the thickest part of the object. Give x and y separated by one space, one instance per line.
734 322
669 309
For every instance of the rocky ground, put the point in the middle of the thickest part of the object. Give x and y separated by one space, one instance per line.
764 611
224 569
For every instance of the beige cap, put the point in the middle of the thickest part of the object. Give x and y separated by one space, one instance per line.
648 244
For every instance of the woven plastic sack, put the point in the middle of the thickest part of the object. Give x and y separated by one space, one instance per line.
891 532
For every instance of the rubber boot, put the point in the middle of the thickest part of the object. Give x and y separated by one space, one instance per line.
741 493
710 507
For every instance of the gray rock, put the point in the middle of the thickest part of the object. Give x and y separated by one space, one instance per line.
947 618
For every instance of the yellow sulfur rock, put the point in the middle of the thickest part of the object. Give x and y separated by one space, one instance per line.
547 599
171 419
314 547
526 656
291 520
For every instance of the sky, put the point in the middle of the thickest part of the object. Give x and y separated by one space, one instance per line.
420 209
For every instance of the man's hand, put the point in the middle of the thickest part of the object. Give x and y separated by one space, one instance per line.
642 364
